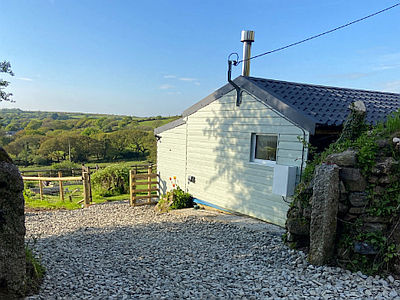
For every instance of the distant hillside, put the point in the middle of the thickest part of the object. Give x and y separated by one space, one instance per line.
16 119
41 138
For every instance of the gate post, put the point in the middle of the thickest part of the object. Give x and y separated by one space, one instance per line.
61 187
132 187
40 187
86 188
149 171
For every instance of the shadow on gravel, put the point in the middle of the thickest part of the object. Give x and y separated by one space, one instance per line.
190 259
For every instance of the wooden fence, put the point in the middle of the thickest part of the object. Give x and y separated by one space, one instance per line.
143 185
85 178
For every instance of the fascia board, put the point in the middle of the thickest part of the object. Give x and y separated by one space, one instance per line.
209 99
269 99
169 126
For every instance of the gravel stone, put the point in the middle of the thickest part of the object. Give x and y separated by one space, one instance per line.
115 251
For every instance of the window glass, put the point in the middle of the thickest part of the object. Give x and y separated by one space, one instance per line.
265 147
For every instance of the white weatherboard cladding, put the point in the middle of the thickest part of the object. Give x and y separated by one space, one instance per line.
218 156
171 158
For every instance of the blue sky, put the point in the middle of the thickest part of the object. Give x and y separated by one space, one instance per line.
146 58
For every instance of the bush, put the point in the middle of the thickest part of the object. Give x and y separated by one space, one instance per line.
64 165
181 199
112 180
175 199
38 160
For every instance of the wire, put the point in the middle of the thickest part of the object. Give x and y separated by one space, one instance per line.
321 34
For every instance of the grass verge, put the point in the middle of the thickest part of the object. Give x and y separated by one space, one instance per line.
34 271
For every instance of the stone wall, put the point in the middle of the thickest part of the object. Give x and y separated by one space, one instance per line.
363 205
12 230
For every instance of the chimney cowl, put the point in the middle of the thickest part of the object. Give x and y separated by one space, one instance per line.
247 36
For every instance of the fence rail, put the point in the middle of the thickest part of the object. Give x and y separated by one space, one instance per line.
85 178
78 170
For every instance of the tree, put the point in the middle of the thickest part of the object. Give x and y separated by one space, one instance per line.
88 131
5 67
52 149
157 123
34 124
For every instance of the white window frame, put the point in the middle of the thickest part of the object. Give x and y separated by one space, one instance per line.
253 158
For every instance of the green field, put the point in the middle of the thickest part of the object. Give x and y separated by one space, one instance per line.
73 192
33 200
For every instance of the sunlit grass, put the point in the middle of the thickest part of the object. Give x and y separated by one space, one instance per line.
54 202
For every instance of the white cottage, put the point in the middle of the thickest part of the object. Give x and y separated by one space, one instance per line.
242 148
247 158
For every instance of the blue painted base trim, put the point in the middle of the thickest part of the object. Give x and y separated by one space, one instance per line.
202 202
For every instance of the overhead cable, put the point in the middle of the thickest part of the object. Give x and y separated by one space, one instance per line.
321 34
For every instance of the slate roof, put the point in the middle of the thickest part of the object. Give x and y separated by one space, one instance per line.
309 106
329 105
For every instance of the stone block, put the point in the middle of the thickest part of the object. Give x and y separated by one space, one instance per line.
347 158
350 218
342 188
163 206
357 210
374 227
343 198
378 190
353 180
395 268
383 143
342 209
293 213
290 237
324 214
298 226
365 248
307 212
358 199
380 219
384 166
12 232
388 179
373 179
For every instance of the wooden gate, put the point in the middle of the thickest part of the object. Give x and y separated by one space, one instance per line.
143 185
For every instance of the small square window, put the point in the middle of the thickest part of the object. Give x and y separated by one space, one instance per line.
263 148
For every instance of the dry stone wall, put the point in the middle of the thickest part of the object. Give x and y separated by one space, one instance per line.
363 206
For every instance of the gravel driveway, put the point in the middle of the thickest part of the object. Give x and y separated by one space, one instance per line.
114 251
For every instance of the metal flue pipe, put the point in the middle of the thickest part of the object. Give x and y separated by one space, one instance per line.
247 38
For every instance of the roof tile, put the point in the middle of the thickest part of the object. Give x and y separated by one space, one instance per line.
329 105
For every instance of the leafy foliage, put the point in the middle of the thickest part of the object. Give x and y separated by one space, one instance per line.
112 180
368 264
5 67
34 269
181 199
382 202
44 137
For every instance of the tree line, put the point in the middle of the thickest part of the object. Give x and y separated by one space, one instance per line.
41 150
53 137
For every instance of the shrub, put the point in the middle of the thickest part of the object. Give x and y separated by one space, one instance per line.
64 165
181 199
112 180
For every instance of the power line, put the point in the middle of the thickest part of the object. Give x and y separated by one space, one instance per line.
321 34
